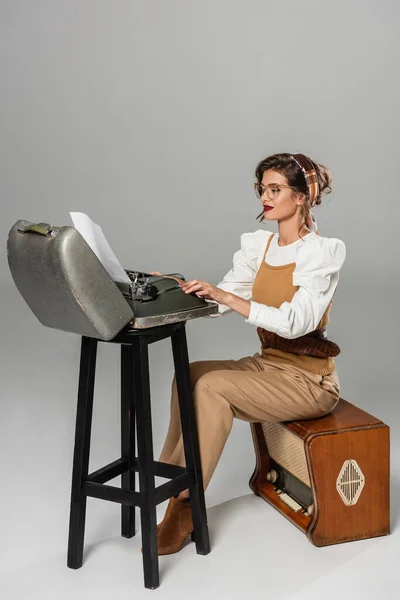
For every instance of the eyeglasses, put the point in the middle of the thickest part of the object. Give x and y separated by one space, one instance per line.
272 190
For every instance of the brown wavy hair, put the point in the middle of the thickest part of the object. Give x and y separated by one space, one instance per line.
285 165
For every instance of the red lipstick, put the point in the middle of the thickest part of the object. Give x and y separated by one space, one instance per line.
268 208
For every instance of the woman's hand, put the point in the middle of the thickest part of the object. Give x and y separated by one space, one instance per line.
206 290
201 288
210 292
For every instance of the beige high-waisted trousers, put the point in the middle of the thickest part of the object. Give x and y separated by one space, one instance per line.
252 389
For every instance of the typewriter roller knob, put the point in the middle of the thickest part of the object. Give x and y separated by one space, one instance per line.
272 476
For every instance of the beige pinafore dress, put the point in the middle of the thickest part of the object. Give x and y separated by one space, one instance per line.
273 286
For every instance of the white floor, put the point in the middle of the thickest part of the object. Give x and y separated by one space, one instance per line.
255 551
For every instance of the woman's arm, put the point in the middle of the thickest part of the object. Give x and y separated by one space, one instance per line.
212 292
238 282
317 276
234 291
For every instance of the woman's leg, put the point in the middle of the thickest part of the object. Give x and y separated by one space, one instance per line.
177 522
248 389
197 370
271 394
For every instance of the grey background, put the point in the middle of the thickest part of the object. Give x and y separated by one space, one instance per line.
151 117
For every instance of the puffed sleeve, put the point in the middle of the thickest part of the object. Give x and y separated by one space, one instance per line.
246 261
318 263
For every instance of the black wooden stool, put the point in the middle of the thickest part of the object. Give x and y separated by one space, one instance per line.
136 415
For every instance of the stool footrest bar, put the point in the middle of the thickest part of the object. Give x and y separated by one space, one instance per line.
168 471
111 493
173 487
113 469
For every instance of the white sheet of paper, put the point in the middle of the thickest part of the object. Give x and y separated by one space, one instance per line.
95 238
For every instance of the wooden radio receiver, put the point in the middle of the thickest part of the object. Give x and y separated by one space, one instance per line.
329 476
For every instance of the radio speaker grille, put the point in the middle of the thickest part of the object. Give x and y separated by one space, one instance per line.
287 450
350 482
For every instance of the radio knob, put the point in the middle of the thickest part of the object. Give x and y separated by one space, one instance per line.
272 476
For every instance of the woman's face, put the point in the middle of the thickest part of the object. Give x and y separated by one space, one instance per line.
283 201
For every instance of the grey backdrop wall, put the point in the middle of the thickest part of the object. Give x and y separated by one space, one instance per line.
150 117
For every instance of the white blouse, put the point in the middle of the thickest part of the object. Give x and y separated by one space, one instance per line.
318 261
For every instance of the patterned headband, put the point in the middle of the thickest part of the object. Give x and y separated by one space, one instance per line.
310 175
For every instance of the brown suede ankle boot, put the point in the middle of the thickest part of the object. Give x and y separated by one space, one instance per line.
175 527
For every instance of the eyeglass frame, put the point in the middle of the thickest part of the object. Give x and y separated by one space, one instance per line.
278 185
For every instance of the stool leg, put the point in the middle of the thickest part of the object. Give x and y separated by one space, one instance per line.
190 439
81 451
148 514
127 437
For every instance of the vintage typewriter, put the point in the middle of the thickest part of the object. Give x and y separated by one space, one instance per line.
68 288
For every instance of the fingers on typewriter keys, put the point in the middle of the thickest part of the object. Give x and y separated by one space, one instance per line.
192 286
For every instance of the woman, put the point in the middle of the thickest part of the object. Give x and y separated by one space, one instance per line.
283 284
